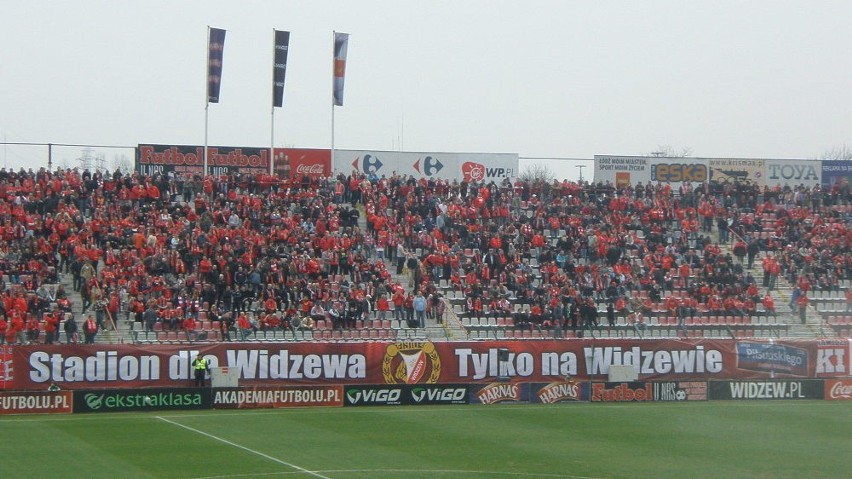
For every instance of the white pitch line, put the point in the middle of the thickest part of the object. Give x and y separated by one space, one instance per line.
239 446
456 472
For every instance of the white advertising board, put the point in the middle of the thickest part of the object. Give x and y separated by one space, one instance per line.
472 167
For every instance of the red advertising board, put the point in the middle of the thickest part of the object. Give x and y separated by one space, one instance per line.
412 362
838 390
58 402
299 162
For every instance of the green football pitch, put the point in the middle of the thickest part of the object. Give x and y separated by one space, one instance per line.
678 440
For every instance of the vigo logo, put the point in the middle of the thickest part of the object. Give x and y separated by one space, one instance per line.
437 394
386 396
409 363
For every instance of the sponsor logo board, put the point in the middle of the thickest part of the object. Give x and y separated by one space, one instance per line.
500 393
429 394
277 397
636 391
769 389
680 391
559 392
838 389
373 396
118 400
58 402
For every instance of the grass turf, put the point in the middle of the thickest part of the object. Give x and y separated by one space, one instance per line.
775 439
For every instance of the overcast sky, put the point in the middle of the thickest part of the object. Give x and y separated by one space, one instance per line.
552 79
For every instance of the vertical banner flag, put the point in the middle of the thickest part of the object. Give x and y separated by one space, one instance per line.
279 67
341 43
215 50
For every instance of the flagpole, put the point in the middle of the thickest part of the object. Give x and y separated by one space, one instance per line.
206 102
272 114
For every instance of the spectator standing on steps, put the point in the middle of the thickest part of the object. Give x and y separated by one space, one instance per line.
90 329
419 305
802 304
70 327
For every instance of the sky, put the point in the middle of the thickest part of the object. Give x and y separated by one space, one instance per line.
555 80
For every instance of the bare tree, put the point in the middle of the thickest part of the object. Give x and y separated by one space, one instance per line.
122 163
666 151
537 172
837 153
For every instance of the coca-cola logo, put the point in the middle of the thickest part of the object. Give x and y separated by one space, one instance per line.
841 390
309 169
473 172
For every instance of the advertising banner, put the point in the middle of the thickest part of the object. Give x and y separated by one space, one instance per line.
559 392
413 362
500 393
470 167
374 396
435 394
298 162
769 389
623 170
157 399
622 392
45 402
838 389
836 174
734 170
793 173
188 160
277 397
832 357
680 391
677 171
772 358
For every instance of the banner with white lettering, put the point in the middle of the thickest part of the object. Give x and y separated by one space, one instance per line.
422 362
470 167
836 174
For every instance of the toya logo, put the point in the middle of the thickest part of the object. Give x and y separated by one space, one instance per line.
497 393
559 392
411 363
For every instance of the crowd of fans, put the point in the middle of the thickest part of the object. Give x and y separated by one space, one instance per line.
255 253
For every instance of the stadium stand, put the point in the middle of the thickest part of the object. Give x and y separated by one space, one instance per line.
172 259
